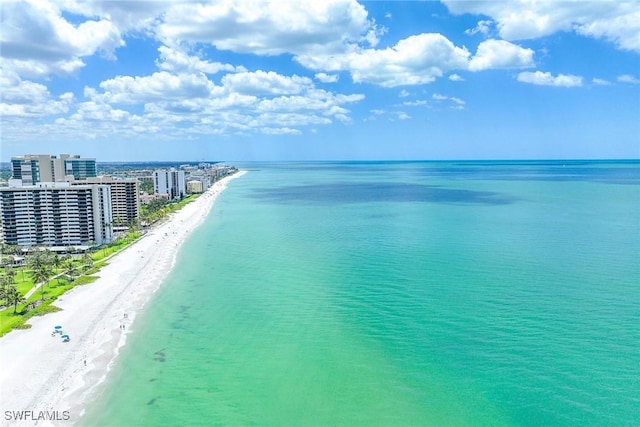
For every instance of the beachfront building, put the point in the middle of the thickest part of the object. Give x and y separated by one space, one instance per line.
146 198
125 198
171 182
55 214
194 187
35 168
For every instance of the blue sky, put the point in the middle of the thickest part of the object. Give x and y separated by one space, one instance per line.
337 79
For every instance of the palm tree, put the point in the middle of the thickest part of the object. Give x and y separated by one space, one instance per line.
56 262
10 273
87 261
36 260
41 273
14 297
70 268
5 282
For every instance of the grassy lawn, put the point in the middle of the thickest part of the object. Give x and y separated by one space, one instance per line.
56 287
52 290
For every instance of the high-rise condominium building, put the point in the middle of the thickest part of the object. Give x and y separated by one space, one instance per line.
34 168
125 198
171 182
56 214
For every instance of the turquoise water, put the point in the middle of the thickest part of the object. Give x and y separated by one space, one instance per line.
397 294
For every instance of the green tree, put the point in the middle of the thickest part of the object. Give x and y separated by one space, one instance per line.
87 261
13 297
41 273
6 281
70 268
56 262
10 274
148 187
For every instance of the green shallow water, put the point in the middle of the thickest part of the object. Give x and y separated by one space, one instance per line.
397 294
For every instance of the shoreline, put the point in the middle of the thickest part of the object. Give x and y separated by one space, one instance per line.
55 380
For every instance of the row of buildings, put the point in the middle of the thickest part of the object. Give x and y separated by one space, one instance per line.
59 201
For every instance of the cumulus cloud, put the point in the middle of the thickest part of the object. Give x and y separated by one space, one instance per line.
420 59
160 86
547 79
269 27
415 60
615 21
455 78
600 82
326 78
175 60
628 78
483 27
261 82
190 103
493 54
37 40
23 98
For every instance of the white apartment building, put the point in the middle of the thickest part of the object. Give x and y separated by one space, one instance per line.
171 182
56 214
125 198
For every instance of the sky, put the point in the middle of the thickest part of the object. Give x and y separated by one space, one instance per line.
320 80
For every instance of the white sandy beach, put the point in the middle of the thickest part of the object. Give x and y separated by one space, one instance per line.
41 374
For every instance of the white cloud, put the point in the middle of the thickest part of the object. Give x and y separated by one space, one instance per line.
600 82
280 131
417 103
493 54
403 93
628 78
37 40
261 82
403 116
418 59
185 104
126 15
483 27
326 78
612 20
455 78
160 86
29 99
453 102
547 79
269 27
176 61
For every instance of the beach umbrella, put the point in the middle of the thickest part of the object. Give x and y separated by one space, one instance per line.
65 336
57 327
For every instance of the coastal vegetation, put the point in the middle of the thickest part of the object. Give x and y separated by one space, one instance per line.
30 287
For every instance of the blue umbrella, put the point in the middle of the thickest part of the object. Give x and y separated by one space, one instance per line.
57 327
65 336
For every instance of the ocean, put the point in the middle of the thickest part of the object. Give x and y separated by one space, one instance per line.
397 293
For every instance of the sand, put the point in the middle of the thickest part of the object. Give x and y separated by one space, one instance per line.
55 380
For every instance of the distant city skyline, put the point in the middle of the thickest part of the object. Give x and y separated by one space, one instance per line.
332 80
